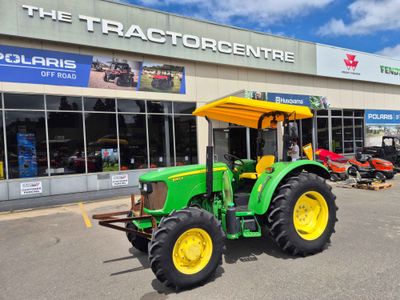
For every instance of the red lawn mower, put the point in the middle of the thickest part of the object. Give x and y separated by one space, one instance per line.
370 167
334 162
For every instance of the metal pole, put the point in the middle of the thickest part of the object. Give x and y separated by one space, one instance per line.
5 168
47 138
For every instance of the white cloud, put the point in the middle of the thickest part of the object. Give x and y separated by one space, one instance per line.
393 52
264 12
366 16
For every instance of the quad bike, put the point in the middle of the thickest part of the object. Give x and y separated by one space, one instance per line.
186 212
121 73
370 167
162 82
337 170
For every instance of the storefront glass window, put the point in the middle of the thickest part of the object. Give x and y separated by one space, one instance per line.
161 141
359 128
101 142
159 107
63 103
23 101
185 140
67 155
184 107
132 141
131 106
2 163
337 135
322 133
306 131
26 144
99 104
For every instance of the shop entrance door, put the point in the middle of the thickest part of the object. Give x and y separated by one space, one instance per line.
230 140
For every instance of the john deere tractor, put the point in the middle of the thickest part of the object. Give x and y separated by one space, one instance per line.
185 213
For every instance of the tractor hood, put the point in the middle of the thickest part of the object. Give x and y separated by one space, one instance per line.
177 173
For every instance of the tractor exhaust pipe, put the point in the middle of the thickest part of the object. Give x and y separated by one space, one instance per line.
209 160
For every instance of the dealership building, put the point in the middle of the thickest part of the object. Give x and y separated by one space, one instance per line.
95 93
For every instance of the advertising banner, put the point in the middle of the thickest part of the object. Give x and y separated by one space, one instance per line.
382 117
35 66
313 102
350 64
43 67
379 123
27 163
162 78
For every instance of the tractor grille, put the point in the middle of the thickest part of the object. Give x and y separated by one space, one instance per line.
155 199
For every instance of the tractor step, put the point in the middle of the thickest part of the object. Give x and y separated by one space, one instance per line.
241 199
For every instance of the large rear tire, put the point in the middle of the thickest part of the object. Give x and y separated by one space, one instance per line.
302 215
186 249
138 242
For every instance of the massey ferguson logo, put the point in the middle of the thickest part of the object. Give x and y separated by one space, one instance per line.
351 64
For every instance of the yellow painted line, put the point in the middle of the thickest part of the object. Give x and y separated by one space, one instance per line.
85 216
195 172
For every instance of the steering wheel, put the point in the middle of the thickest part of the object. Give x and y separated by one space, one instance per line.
233 160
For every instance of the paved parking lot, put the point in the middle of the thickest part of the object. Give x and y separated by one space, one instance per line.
52 254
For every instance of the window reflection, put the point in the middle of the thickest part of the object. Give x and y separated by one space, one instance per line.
63 103
185 140
132 141
66 143
161 141
101 142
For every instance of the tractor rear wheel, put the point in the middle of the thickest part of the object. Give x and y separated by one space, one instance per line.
138 242
302 215
186 249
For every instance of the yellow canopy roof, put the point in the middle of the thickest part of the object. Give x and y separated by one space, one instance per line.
247 112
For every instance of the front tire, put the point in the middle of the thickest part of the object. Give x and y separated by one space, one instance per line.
186 249
302 215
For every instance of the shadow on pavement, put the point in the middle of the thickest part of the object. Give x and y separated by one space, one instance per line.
141 257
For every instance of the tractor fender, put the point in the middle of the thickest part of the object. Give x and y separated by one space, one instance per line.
266 184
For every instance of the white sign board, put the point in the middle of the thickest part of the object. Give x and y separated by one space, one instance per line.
119 180
31 188
350 64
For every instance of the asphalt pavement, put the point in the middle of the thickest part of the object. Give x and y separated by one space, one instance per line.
58 253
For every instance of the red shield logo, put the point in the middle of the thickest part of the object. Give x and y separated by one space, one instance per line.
351 62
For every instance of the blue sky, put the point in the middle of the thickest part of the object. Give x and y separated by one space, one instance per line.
365 25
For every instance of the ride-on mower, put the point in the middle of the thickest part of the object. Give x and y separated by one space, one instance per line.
370 167
185 213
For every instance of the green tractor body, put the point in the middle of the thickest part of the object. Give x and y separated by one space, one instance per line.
185 212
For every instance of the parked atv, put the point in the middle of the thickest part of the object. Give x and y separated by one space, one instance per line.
162 82
390 150
121 73
370 167
186 212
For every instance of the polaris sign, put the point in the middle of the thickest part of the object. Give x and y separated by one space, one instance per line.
382 117
43 67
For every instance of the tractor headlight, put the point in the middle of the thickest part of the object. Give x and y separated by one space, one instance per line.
146 187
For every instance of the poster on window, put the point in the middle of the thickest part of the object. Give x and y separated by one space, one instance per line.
112 73
109 158
27 162
162 78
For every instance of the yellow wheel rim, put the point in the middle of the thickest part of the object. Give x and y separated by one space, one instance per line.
192 251
310 215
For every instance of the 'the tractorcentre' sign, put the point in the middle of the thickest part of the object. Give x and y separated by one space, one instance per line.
160 36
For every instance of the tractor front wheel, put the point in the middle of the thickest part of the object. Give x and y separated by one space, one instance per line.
186 249
302 215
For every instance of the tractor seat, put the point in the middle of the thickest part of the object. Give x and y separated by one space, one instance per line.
265 162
